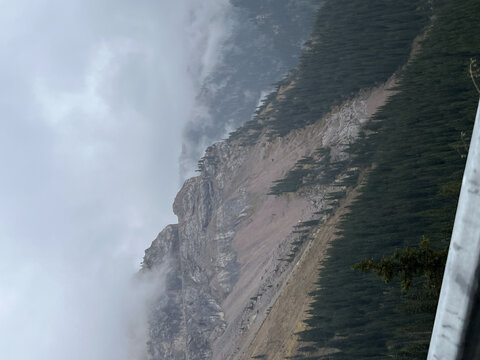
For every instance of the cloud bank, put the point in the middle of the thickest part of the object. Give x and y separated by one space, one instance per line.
93 98
265 43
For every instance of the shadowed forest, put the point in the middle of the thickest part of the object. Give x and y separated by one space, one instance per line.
418 144
413 153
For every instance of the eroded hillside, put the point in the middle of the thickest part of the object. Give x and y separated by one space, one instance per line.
265 196
233 248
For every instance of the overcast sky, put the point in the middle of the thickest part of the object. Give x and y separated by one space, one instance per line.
93 98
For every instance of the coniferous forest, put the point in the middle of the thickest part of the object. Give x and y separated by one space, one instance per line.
411 155
354 45
414 152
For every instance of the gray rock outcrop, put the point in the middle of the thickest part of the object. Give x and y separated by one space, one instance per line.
231 251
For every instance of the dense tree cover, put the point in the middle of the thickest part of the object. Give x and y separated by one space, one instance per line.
418 144
317 169
355 44
409 263
348 53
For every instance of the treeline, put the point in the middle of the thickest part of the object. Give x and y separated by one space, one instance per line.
317 169
355 45
418 143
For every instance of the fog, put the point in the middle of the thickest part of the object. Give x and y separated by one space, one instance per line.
93 99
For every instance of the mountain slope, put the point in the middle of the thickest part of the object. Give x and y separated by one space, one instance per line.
231 250
262 197
418 143
265 42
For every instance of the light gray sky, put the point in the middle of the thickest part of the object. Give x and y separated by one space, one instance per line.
93 98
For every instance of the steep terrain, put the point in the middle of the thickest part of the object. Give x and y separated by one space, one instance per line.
264 43
277 337
229 254
253 225
418 143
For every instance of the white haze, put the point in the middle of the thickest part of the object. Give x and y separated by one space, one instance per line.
93 98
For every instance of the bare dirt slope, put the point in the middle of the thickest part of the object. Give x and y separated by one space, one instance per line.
265 233
236 246
274 336
277 337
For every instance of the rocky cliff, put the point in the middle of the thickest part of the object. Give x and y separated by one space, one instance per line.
234 245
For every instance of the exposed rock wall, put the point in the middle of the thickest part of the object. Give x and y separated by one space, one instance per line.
227 254
167 321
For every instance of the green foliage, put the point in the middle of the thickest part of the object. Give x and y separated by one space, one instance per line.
410 263
317 169
355 44
418 143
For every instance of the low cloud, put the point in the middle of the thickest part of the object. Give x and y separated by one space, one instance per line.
93 96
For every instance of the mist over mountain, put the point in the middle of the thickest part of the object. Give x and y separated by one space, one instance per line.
264 42
356 156
340 153
88 93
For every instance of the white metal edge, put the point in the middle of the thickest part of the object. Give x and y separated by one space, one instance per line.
462 261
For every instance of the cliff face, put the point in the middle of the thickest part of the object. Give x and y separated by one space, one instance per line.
202 262
234 246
